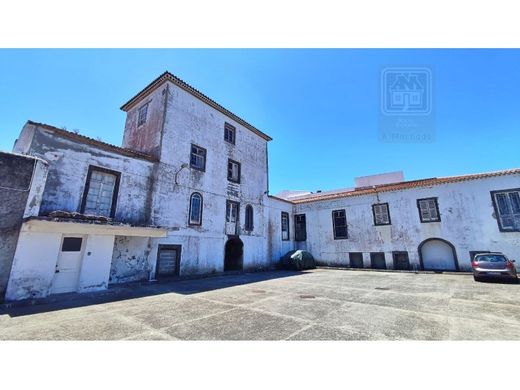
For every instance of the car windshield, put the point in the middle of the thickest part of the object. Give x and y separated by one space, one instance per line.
491 258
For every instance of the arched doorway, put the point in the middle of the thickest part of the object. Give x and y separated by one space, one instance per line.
437 254
234 254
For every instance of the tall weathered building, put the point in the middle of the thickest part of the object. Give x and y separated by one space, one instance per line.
187 194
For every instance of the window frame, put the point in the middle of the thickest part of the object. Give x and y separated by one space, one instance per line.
145 107
199 223
336 237
297 236
203 169
91 169
387 213
286 215
249 219
497 210
230 161
436 200
233 130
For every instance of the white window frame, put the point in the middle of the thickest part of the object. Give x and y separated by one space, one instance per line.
191 220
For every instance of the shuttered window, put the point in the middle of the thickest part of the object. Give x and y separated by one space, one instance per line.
100 193
428 210
507 206
339 223
381 214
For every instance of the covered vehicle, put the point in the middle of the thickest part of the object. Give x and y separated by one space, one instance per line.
493 265
297 260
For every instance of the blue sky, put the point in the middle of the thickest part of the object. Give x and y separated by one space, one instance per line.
320 106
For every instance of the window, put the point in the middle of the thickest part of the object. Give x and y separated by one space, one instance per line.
100 195
231 211
233 171
198 158
507 209
300 227
195 209
428 210
285 226
229 133
381 214
71 244
249 218
141 117
339 223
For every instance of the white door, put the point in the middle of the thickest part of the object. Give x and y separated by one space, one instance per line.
437 255
68 266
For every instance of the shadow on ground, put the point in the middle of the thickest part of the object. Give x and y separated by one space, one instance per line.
134 290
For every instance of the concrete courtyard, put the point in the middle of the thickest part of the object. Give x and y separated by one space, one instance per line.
322 304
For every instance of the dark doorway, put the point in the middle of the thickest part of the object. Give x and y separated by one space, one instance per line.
401 261
356 259
377 260
168 261
234 254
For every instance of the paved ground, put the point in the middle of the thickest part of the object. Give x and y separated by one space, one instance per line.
322 304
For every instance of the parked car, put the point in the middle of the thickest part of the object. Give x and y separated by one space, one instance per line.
493 265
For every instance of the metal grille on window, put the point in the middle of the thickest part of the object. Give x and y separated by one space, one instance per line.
100 194
339 220
381 214
508 205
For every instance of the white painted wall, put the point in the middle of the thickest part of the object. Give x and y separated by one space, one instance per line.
467 221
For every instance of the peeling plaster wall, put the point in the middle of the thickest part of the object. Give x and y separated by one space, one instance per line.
276 246
467 221
188 120
21 185
131 260
68 167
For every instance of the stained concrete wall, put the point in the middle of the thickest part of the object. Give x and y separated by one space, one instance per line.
468 221
69 162
21 185
178 119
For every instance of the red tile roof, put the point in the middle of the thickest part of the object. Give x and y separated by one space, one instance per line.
167 76
403 186
91 141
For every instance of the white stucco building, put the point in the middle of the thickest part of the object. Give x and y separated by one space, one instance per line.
187 194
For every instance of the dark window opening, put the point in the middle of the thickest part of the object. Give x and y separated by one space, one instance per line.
229 133
377 260
300 227
356 259
198 158
428 210
381 214
249 218
71 244
339 223
285 226
401 260
233 172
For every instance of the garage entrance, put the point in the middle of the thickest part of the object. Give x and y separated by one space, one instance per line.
437 254
168 261
234 254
